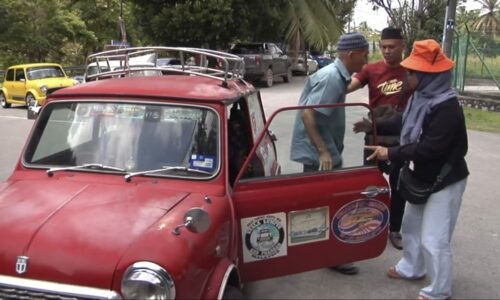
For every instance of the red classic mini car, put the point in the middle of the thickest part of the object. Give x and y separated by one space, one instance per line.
165 182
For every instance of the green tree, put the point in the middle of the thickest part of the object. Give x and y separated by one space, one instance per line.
420 19
38 30
212 23
314 23
489 22
466 17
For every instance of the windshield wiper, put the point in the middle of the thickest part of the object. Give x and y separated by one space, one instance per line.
98 166
166 168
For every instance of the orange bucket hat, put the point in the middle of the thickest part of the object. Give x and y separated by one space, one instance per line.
427 57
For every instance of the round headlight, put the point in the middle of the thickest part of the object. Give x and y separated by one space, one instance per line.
43 89
146 280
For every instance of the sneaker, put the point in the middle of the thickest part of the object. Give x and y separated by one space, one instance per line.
396 240
346 269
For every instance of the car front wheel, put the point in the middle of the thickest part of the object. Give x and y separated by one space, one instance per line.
269 77
288 76
232 292
3 101
30 100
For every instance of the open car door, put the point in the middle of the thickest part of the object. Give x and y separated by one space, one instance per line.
293 221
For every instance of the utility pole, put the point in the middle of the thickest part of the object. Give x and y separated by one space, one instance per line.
121 24
449 26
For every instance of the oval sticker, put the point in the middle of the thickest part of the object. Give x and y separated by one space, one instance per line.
360 221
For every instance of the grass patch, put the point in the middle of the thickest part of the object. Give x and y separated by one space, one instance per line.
482 120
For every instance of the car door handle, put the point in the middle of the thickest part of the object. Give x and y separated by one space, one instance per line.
373 191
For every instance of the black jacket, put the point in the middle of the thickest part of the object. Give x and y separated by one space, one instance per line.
443 134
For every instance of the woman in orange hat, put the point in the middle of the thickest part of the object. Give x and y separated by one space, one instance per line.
433 134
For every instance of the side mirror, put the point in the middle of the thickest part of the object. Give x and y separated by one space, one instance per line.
196 220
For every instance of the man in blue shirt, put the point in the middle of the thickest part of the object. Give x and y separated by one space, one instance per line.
318 134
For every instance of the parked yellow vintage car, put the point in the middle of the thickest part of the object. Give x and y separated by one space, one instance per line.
29 84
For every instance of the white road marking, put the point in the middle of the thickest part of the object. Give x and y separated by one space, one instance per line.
13 117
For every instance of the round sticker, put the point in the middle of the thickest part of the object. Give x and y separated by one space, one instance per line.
360 221
264 237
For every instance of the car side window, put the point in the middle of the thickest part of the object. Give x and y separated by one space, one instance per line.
10 75
20 75
294 149
238 142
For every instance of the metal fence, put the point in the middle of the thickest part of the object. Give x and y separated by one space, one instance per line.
477 69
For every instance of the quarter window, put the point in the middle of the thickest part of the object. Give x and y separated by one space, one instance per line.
10 75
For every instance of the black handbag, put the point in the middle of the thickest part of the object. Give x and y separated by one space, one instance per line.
416 191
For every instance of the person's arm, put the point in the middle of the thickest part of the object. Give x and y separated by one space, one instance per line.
435 141
439 133
354 85
389 126
325 158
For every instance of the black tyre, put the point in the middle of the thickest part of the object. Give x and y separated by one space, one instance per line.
232 292
288 76
3 101
30 100
269 77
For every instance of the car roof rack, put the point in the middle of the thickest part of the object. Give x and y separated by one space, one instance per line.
127 62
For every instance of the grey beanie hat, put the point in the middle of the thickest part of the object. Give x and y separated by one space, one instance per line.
351 41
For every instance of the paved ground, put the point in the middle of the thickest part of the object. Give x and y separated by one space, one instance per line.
476 241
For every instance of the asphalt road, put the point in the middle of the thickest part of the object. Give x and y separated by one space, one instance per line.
476 241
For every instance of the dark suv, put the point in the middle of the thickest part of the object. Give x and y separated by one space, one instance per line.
263 62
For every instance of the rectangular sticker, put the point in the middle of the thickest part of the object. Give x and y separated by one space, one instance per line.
308 226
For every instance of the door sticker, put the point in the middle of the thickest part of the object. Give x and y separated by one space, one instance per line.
360 221
263 237
308 226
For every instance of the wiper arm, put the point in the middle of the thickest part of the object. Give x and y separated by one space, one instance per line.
51 171
166 168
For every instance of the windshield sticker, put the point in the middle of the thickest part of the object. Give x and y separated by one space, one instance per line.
308 226
130 111
264 237
360 221
202 162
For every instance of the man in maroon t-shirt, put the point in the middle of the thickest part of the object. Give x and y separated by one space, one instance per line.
387 87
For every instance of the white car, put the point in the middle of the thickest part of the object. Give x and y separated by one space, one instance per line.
299 67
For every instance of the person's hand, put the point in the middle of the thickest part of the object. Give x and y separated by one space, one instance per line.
381 153
325 161
364 125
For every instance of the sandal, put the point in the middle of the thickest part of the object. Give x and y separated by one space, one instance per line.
346 269
392 273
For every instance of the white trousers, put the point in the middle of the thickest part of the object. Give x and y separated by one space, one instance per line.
427 230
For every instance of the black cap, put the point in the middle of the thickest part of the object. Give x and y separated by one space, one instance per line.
391 33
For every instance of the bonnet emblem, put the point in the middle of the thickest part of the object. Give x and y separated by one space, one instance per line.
21 264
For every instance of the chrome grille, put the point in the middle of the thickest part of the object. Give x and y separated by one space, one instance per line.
11 293
30 289
50 91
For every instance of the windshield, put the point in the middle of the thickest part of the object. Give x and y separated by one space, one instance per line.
133 137
247 49
35 73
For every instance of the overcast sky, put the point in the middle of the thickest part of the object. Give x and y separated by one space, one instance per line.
378 19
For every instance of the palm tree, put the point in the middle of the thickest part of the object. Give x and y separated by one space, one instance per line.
489 22
311 22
